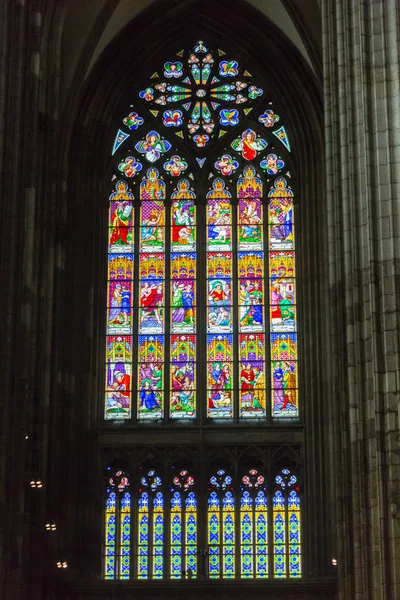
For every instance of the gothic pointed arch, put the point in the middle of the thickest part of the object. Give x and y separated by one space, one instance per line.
156 185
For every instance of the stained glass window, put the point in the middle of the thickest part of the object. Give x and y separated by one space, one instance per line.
286 523
221 527
165 536
183 527
201 100
118 528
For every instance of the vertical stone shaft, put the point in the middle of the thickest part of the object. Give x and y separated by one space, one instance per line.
362 128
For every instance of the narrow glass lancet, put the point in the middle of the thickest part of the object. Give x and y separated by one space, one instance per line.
125 536
158 536
214 535
151 324
254 527
183 302
143 536
221 527
118 401
251 295
118 528
246 535
183 528
150 528
286 523
110 545
219 309
283 321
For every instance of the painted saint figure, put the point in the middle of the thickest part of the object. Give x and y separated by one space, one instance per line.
249 144
120 219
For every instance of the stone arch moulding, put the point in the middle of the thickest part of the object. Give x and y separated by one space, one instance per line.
89 128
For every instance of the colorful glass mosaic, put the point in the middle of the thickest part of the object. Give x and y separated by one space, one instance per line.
201 93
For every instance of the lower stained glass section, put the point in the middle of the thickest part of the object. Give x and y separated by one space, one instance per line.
222 528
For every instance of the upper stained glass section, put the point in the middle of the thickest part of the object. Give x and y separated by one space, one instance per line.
201 94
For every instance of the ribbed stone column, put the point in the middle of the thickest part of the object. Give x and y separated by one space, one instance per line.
362 129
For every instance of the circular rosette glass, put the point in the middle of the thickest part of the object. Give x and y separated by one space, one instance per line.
201 140
153 146
200 87
272 164
228 68
133 121
229 117
249 144
226 165
147 94
254 92
130 166
173 70
173 118
175 166
268 118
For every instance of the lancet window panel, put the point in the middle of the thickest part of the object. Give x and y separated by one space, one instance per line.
251 527
201 231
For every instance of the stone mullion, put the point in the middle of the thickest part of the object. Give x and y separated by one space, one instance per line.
333 197
369 363
347 169
390 229
360 319
335 307
18 193
369 157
